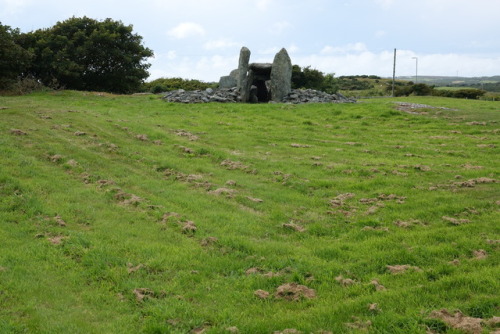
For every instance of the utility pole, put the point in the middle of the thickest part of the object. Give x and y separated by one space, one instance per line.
416 69
393 72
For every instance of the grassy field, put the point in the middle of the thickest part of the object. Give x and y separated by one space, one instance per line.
126 214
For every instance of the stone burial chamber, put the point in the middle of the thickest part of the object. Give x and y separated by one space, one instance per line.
261 82
257 83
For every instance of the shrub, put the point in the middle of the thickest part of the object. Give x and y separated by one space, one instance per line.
168 84
466 93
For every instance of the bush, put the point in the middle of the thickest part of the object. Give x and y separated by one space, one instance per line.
168 84
466 93
86 54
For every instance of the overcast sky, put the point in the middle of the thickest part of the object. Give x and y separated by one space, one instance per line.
201 39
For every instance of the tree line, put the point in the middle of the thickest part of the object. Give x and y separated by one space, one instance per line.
78 53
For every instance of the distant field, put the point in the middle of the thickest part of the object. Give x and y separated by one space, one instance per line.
126 214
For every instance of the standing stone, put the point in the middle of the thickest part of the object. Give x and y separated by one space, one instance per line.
281 76
235 74
227 81
243 66
246 87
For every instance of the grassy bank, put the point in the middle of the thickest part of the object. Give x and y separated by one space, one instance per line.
126 214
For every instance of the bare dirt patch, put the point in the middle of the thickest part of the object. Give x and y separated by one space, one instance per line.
232 330
262 294
256 200
55 158
188 227
469 166
185 149
422 168
254 271
209 241
401 268
458 321
72 163
143 293
59 221
300 145
57 240
223 191
288 331
168 215
18 132
377 285
132 269
80 133
345 281
339 199
480 254
456 221
231 165
473 182
294 292
128 199
189 135
407 224
359 324
375 228
142 137
294 227
103 183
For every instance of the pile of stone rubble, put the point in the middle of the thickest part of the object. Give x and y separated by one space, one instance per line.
314 96
228 95
222 95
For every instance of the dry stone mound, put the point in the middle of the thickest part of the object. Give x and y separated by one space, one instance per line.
232 95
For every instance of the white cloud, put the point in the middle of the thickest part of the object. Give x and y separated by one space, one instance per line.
186 29
380 33
269 51
293 49
279 27
13 7
220 44
380 63
205 68
386 3
171 55
349 48
263 5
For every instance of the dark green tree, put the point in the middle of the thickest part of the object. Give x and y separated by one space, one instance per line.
313 77
14 60
330 84
298 77
86 54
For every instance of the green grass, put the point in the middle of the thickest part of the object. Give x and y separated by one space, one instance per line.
83 285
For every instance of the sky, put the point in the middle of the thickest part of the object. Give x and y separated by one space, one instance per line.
201 39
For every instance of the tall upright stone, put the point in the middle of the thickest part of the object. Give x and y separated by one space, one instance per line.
243 65
281 76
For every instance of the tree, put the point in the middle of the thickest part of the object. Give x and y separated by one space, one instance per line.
330 84
298 77
86 54
13 58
